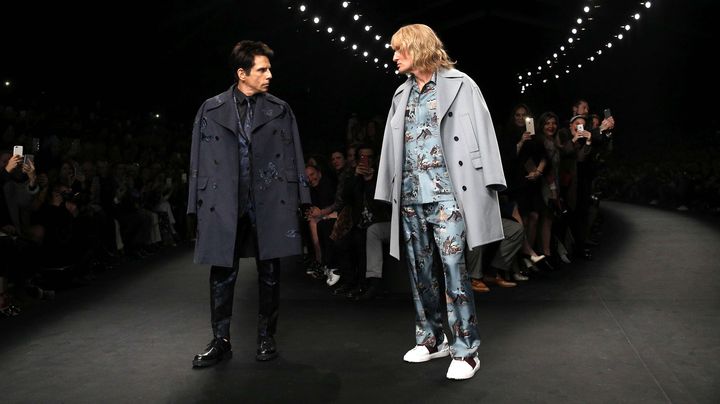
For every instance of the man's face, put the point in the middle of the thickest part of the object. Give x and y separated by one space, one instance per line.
337 160
313 176
403 61
257 80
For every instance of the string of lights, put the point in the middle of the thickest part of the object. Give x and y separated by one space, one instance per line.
368 46
555 68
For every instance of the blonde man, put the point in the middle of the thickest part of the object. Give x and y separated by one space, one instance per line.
440 169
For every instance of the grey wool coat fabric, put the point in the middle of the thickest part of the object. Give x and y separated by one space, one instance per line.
471 155
278 180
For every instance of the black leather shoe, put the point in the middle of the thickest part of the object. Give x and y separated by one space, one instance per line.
266 349
217 350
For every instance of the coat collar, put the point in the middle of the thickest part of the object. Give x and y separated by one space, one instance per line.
448 85
449 82
222 109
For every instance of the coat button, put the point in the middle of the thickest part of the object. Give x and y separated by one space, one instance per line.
456 138
216 162
199 202
450 114
460 162
464 188
282 201
214 186
277 156
217 137
212 209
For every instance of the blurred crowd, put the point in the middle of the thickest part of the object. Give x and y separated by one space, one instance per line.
82 189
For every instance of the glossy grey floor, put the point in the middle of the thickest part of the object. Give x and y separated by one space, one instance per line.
639 324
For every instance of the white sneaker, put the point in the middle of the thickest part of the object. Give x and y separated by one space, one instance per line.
461 369
421 353
332 277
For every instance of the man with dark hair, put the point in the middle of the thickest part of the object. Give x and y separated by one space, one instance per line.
246 182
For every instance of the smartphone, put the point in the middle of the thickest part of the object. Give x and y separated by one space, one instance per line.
29 157
607 113
580 127
530 125
17 150
364 160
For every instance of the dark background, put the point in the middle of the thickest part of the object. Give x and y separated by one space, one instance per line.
167 57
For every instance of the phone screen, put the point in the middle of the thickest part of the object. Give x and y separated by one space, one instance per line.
17 151
580 127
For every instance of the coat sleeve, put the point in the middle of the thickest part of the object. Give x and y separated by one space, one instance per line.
386 167
195 161
487 140
303 187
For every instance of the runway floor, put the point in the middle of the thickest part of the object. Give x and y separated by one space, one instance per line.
639 324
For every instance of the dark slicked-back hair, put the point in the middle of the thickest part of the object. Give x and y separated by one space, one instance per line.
243 55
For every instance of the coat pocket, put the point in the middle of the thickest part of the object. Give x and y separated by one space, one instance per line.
291 176
470 139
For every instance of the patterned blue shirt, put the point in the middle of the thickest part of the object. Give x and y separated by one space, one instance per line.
425 177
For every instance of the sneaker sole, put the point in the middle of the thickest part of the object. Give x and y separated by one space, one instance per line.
438 354
465 377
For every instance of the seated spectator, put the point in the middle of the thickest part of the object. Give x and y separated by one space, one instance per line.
352 247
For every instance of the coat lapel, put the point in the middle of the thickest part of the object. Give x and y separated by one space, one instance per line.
224 111
265 111
397 122
448 86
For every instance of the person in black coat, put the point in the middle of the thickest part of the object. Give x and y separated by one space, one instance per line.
246 183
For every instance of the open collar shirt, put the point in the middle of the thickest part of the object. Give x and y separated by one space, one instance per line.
425 176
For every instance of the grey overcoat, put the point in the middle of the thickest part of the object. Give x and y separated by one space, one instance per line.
279 184
471 155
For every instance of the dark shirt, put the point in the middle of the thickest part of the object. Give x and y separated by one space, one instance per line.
4 211
366 209
323 195
508 139
242 102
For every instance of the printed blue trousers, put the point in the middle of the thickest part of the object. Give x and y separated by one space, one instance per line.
426 227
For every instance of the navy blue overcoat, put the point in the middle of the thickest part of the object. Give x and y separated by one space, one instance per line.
279 183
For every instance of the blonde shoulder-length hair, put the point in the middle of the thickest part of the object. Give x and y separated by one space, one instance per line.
423 46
